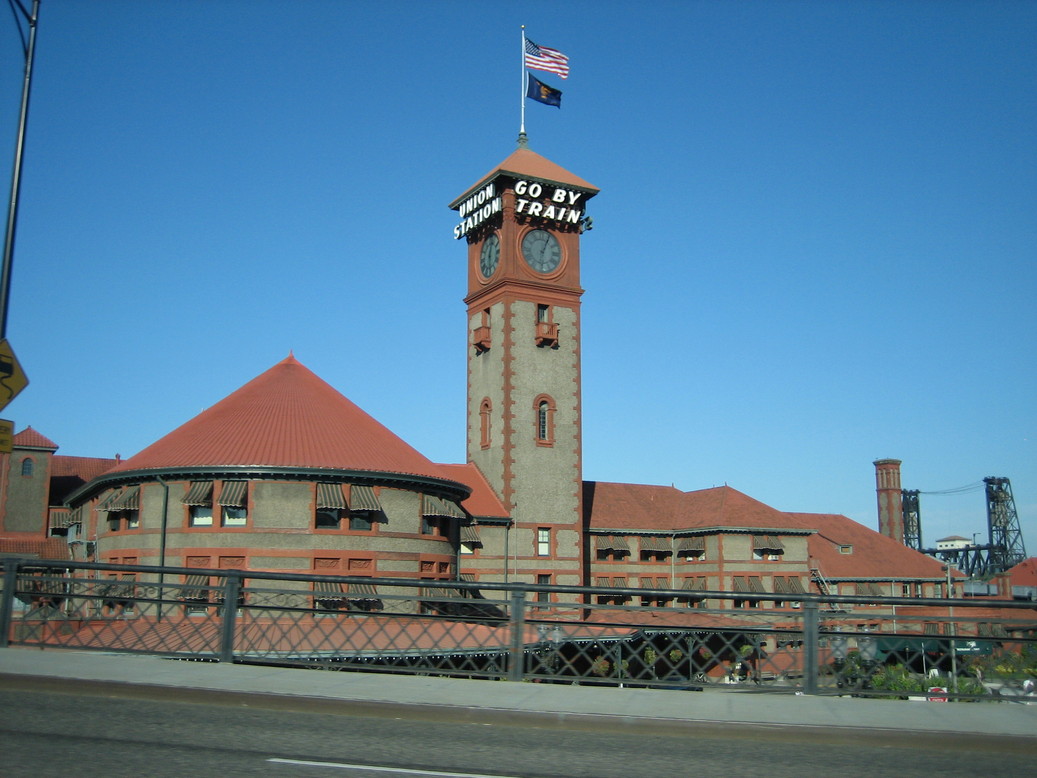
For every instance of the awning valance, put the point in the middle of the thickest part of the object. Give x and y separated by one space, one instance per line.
331 496
655 543
200 493
694 543
767 543
234 494
129 500
362 498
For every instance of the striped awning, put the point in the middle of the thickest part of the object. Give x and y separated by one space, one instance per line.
795 585
196 587
470 535
780 585
611 543
696 584
105 503
654 582
129 500
767 543
327 590
756 584
364 589
655 543
434 506
739 584
362 498
332 496
869 589
693 543
234 494
200 493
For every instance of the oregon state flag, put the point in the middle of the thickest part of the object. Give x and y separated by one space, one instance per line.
542 93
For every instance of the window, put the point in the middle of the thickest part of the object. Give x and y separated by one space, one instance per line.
28 466
201 516
485 409
327 518
544 579
361 522
544 411
234 516
544 541
132 519
431 525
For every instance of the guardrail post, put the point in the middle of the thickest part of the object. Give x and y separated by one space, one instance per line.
231 589
517 658
7 600
811 635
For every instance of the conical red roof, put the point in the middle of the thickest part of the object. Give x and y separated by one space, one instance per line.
286 417
525 163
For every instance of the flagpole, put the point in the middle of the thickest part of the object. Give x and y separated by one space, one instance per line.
522 122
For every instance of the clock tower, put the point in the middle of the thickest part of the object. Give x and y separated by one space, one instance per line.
522 223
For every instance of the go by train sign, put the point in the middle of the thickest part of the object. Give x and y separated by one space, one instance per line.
532 198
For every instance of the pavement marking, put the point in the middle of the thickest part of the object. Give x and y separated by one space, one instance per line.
398 770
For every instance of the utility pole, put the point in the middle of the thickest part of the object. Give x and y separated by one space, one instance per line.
29 47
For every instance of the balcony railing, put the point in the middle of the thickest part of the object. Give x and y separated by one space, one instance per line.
877 646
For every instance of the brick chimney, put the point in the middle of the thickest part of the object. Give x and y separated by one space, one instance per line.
891 505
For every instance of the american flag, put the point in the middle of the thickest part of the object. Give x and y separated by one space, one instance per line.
543 58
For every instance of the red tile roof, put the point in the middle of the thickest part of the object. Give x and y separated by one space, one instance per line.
483 502
30 438
1024 573
665 508
525 163
85 468
873 555
286 417
35 548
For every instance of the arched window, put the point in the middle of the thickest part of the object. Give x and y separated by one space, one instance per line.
545 418
27 466
484 422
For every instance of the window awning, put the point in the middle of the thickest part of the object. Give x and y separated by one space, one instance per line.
869 589
364 589
694 543
234 494
756 584
697 584
434 506
655 543
738 584
200 493
105 503
470 535
780 585
332 496
654 582
196 587
767 543
327 590
795 585
129 500
362 498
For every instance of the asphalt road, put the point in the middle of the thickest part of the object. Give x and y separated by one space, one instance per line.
75 734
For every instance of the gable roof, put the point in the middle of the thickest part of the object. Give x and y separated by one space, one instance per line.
30 438
286 417
633 507
524 163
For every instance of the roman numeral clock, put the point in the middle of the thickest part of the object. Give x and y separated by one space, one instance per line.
522 223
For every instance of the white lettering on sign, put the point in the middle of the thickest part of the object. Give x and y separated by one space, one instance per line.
486 202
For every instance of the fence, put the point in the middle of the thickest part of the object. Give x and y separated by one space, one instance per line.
874 646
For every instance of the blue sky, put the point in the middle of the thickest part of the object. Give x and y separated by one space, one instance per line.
814 246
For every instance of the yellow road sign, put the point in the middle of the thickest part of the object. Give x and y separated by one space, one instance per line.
6 436
12 379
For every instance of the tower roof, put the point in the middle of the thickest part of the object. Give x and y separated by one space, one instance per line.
286 417
30 438
524 163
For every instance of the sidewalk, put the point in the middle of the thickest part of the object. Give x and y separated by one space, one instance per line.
723 712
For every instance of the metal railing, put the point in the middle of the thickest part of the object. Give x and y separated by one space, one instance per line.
675 639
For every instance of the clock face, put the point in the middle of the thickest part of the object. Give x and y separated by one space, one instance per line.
490 255
541 251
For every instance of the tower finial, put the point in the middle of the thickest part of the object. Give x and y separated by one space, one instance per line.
523 140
